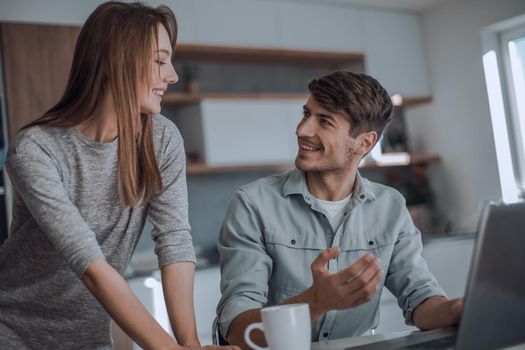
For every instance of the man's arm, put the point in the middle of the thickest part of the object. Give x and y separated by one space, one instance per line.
409 277
438 312
348 288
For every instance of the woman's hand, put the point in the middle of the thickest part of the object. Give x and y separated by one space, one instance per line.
213 347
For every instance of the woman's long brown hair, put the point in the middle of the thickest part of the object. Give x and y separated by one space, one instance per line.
114 54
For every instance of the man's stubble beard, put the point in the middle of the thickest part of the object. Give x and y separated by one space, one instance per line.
332 166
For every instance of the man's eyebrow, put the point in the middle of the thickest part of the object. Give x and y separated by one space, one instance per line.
328 116
321 115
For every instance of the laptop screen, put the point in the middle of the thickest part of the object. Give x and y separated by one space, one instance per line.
494 314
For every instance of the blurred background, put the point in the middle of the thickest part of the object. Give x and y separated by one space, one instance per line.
454 69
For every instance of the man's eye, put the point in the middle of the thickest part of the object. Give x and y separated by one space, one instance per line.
305 114
325 122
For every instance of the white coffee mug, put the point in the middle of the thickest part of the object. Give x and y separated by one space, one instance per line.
285 327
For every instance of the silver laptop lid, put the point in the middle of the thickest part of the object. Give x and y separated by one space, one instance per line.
494 314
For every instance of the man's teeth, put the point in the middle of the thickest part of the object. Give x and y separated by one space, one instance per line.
159 92
306 147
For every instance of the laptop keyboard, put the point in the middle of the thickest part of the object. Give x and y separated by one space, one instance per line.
437 344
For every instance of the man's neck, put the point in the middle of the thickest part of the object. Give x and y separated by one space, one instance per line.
332 185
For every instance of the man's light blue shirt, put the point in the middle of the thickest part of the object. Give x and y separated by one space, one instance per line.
274 229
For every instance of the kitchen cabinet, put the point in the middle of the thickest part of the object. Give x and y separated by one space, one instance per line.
394 51
237 132
36 62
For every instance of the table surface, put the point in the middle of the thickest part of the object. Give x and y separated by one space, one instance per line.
341 344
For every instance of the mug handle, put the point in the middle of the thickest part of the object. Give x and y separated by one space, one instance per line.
247 331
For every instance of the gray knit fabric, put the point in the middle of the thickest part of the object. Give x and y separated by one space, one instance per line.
66 214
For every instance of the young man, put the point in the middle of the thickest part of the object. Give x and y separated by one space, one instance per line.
323 235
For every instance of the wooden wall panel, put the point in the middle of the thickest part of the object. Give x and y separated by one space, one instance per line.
37 59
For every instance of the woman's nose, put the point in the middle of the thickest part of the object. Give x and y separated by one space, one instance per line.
172 77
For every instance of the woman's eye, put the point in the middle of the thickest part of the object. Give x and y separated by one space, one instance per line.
162 63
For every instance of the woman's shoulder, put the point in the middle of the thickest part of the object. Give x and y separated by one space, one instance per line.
36 139
165 131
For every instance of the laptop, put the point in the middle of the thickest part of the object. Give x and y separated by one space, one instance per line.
494 310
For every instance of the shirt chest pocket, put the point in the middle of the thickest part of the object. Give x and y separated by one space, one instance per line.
358 243
293 240
292 254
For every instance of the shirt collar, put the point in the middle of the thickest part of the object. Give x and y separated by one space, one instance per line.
296 184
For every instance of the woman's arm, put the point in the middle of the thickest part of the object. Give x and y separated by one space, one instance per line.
113 293
177 284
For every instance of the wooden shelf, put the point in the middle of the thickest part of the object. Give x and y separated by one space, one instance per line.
183 98
261 55
203 169
415 159
415 101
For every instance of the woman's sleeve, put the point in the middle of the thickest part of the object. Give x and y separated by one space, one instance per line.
36 179
168 210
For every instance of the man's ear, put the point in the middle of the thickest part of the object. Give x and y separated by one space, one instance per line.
366 141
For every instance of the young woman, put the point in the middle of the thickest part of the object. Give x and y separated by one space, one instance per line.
86 175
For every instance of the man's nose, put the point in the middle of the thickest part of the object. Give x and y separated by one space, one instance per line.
306 127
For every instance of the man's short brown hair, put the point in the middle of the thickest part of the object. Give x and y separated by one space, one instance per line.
359 97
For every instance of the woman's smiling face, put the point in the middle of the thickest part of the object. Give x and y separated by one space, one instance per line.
162 74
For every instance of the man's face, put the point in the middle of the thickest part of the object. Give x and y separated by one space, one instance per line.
325 144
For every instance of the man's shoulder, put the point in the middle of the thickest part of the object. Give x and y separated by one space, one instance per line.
384 193
269 186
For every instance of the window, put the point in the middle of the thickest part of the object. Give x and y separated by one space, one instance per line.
504 66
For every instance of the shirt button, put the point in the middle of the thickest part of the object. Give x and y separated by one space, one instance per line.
371 242
325 334
362 196
293 241
307 198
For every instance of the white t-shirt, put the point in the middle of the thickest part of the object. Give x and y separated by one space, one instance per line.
334 210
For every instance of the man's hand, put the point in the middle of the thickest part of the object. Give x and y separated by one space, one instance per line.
351 287
456 309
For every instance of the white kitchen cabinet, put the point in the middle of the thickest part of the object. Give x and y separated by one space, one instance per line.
320 27
236 23
394 51
207 294
449 260
241 131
